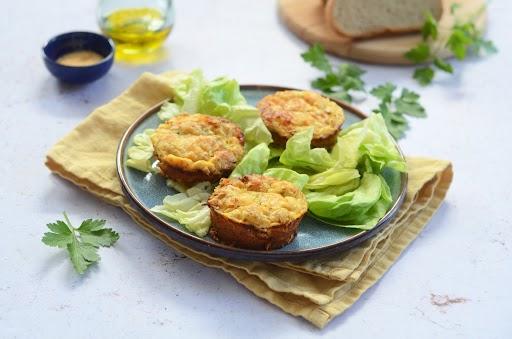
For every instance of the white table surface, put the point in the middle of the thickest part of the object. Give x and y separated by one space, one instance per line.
141 288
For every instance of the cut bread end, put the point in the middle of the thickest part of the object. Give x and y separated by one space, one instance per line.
370 18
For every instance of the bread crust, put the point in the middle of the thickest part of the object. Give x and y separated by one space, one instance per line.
286 112
192 148
329 17
238 232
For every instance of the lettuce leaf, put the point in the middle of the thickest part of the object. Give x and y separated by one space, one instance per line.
353 192
368 144
168 110
222 97
219 97
187 89
141 152
298 153
295 178
254 162
332 177
340 189
189 208
361 208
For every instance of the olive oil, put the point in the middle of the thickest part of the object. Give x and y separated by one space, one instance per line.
136 31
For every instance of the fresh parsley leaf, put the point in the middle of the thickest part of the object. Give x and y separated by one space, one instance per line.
90 225
315 55
59 237
459 42
105 237
429 29
424 75
486 45
464 38
384 92
342 95
396 125
394 109
82 243
419 54
443 65
337 81
408 104
326 84
350 70
82 255
350 76
409 96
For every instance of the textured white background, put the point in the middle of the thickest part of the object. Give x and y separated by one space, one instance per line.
143 289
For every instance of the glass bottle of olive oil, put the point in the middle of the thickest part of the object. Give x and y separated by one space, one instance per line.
139 30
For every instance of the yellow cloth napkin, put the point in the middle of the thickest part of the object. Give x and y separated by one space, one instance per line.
317 290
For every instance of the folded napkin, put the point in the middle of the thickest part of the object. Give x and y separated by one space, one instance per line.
317 289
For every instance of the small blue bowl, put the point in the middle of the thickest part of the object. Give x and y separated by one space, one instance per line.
74 41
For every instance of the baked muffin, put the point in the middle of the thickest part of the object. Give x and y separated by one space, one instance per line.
195 147
256 212
286 112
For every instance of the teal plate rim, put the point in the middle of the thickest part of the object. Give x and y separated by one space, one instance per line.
217 249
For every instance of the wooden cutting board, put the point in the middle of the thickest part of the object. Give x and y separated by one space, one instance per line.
306 19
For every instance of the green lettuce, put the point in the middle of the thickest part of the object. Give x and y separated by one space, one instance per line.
295 178
353 192
187 90
140 154
254 162
335 181
368 144
168 110
219 97
361 208
332 177
222 97
189 208
298 153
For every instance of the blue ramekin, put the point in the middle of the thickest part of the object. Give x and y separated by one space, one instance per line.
74 41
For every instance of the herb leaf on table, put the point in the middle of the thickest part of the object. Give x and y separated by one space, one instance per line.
337 81
393 109
82 243
464 38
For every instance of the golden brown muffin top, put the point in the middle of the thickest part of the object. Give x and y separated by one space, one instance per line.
287 112
199 142
258 200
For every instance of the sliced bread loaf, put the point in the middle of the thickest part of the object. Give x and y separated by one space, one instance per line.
368 18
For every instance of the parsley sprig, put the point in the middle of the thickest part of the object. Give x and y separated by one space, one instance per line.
394 108
82 243
464 39
341 82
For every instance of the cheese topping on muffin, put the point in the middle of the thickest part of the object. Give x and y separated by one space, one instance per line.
198 142
258 200
287 112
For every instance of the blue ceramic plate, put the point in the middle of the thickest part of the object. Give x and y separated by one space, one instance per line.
314 238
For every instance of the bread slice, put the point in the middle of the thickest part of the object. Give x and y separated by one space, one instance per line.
369 18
